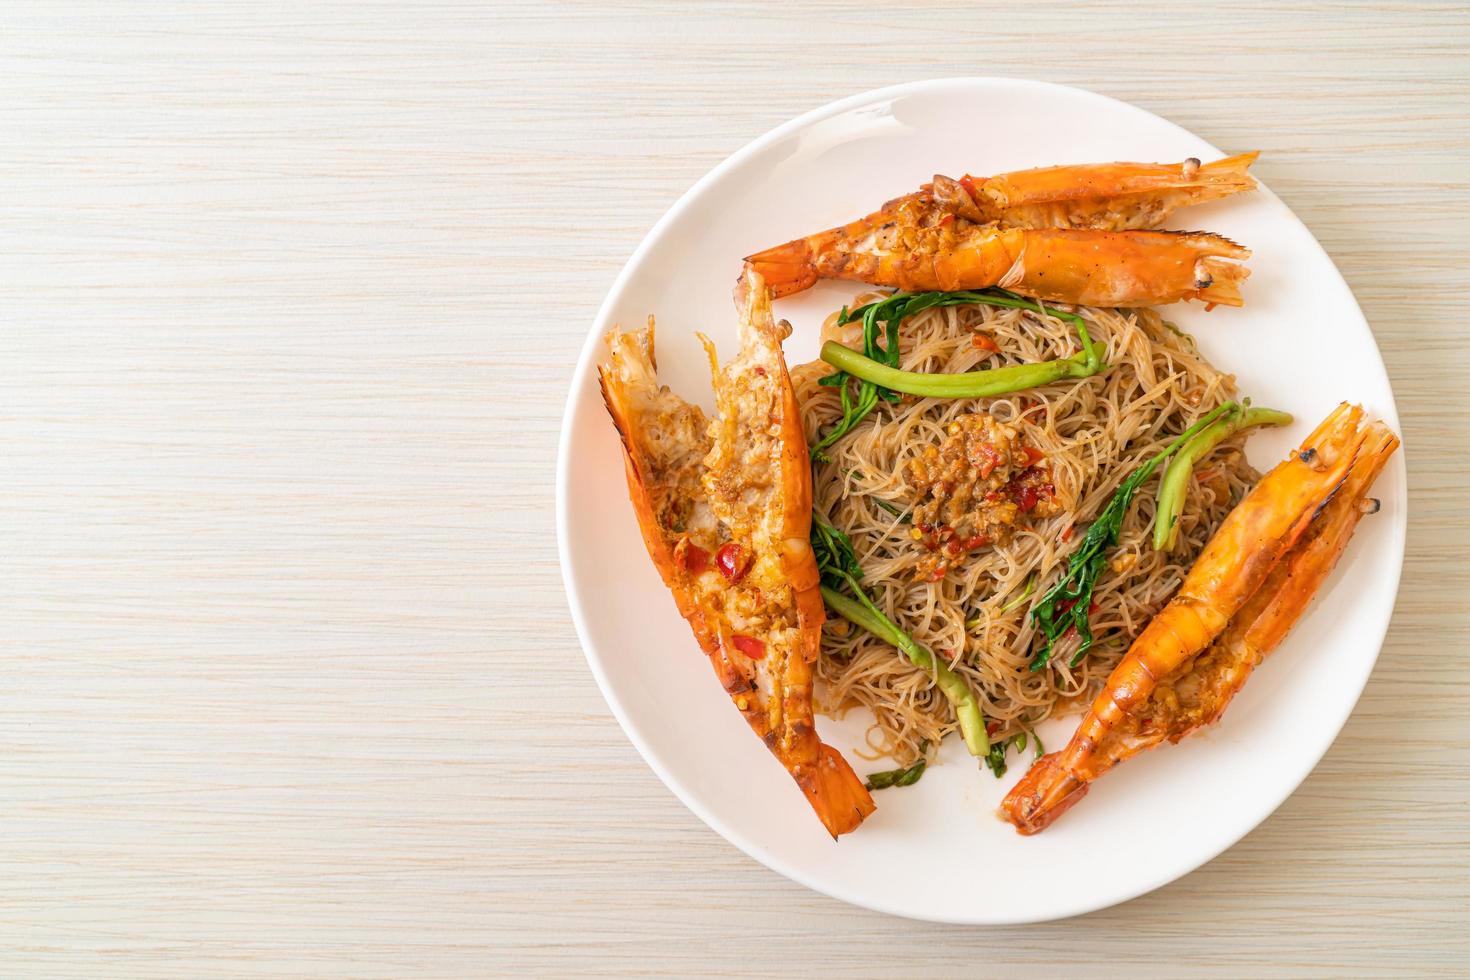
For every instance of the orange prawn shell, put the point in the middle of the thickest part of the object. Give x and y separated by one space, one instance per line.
653 537
1119 181
798 560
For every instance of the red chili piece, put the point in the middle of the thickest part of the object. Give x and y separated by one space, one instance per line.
696 559
750 646
991 459
733 561
1030 456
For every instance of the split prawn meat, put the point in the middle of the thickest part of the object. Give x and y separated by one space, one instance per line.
724 505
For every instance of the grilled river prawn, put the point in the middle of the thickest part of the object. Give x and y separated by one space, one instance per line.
724 505
1248 588
1062 234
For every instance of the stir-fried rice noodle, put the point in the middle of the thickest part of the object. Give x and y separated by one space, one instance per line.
1093 434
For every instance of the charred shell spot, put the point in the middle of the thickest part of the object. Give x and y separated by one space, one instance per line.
1203 278
1307 456
1370 505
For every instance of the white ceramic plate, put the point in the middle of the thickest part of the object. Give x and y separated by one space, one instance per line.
936 850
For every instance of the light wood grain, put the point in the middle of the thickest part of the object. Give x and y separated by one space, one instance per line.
289 298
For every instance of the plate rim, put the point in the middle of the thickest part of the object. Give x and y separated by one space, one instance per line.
582 368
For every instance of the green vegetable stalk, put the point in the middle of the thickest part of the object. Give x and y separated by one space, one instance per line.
1176 477
996 758
897 777
860 399
970 384
839 566
1067 604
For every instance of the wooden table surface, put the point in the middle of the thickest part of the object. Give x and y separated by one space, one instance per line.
289 299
